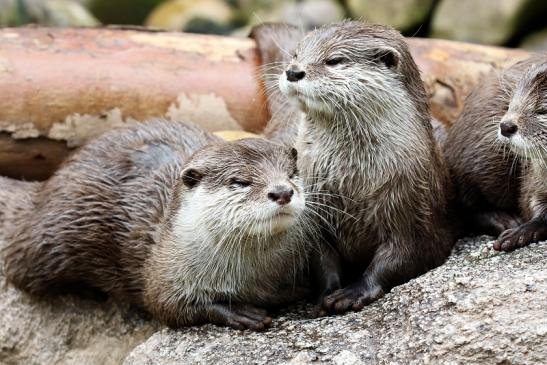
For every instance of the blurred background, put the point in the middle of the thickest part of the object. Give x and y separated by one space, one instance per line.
512 23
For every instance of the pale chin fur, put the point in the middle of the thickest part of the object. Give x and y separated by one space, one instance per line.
299 93
262 218
277 219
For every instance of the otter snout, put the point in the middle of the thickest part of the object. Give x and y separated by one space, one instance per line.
508 129
281 194
294 74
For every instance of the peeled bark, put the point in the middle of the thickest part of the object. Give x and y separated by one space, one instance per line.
61 87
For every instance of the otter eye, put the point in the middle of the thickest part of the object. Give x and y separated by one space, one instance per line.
335 61
541 112
239 183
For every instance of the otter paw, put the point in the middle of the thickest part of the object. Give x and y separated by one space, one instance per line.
244 317
353 297
521 236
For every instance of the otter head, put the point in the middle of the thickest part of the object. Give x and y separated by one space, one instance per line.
249 187
524 125
344 67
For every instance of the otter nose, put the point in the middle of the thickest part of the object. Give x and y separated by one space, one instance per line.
294 75
507 129
281 194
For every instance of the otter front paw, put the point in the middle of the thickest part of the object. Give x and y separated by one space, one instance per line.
244 316
521 236
353 297
319 309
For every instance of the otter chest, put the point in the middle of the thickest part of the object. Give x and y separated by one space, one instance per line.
345 198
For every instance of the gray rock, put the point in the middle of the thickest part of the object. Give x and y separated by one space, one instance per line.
400 14
60 13
207 16
309 14
487 21
481 307
535 42
121 11
11 14
306 14
66 330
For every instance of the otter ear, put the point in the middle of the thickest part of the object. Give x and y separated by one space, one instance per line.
388 56
191 177
294 153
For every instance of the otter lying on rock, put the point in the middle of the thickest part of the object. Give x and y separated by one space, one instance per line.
171 218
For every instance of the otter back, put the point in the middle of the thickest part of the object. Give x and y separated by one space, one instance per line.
92 223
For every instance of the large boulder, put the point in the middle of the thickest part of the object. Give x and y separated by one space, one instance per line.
401 14
207 16
479 308
66 330
121 11
305 14
58 13
488 21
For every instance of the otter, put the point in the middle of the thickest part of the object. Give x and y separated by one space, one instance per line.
496 155
168 217
368 155
276 43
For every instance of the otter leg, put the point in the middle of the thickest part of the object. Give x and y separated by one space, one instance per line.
529 232
388 268
355 296
327 275
493 223
238 316
327 268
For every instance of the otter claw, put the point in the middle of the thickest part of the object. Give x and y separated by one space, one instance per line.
351 298
248 317
521 236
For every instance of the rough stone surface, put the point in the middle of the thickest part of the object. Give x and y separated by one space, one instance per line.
480 307
400 14
66 330
486 21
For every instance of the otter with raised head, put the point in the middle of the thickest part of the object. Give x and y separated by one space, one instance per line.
191 236
496 152
368 154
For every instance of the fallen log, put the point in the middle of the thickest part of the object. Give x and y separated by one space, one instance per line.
61 87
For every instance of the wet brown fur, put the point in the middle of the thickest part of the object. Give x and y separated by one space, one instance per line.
382 187
496 187
104 221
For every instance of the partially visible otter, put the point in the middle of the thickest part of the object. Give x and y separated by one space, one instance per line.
368 154
276 44
191 238
496 152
